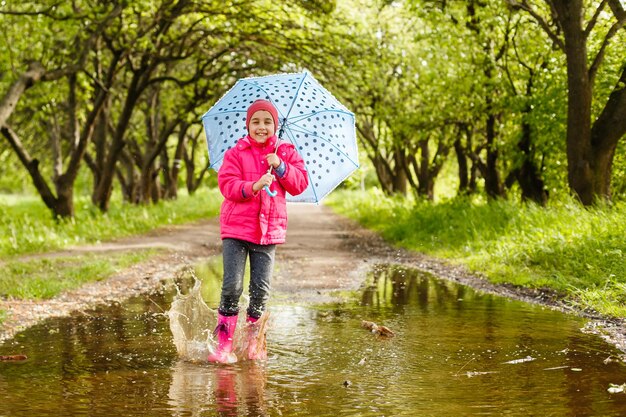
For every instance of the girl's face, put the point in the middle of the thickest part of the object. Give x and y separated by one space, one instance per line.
261 126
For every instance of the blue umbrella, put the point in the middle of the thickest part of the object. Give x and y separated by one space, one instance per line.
310 117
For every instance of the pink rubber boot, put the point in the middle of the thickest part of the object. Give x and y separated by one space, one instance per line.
225 332
257 346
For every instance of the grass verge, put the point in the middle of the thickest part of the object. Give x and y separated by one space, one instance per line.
26 225
47 277
574 250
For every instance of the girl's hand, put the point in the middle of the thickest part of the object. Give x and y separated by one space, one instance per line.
273 160
266 179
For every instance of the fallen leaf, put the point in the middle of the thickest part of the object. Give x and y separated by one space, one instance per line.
377 330
13 358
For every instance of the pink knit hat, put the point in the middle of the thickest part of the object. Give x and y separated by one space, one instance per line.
262 105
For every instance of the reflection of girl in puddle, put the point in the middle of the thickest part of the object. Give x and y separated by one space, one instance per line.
240 387
230 391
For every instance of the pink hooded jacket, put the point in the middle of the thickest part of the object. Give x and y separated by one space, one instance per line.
257 217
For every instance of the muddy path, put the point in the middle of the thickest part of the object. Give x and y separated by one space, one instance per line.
324 253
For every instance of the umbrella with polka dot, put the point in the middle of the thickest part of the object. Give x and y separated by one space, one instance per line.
311 118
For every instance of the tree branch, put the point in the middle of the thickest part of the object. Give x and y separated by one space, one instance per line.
597 61
594 19
617 9
32 165
32 75
610 125
542 22
45 12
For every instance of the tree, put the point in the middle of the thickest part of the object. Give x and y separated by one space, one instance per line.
67 67
584 33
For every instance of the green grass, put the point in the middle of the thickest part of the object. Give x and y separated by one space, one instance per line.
576 251
26 225
47 277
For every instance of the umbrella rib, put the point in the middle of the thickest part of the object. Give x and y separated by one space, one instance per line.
216 162
226 111
300 129
316 113
321 138
295 96
292 138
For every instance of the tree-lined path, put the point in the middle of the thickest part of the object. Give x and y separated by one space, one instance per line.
324 253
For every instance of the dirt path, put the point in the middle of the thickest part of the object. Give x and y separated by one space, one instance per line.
323 253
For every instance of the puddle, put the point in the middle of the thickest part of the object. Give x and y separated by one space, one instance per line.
455 352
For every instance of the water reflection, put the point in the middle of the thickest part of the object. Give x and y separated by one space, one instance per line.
237 390
456 352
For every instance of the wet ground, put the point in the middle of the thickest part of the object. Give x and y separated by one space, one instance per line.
456 352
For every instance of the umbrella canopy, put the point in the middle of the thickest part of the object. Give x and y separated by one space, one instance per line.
310 117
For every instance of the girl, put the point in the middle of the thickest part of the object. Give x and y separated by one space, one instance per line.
253 222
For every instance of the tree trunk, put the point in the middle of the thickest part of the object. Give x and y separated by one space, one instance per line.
32 165
170 173
383 173
155 189
33 74
606 132
127 177
528 175
189 155
423 173
461 159
171 184
579 165
64 205
493 182
103 188
145 184
399 180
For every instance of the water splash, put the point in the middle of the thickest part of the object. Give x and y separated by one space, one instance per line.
190 319
244 348
192 323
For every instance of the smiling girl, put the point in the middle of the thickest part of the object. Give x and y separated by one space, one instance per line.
253 222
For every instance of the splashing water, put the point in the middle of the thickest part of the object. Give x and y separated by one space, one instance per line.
252 342
190 318
192 323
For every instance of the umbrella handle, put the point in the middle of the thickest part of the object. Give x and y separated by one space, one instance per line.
270 192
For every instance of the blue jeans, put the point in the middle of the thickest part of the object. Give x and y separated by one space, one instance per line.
234 255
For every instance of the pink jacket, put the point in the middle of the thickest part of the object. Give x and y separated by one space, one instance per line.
257 217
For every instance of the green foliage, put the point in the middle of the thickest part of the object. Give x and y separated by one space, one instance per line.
27 227
413 71
565 247
46 278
